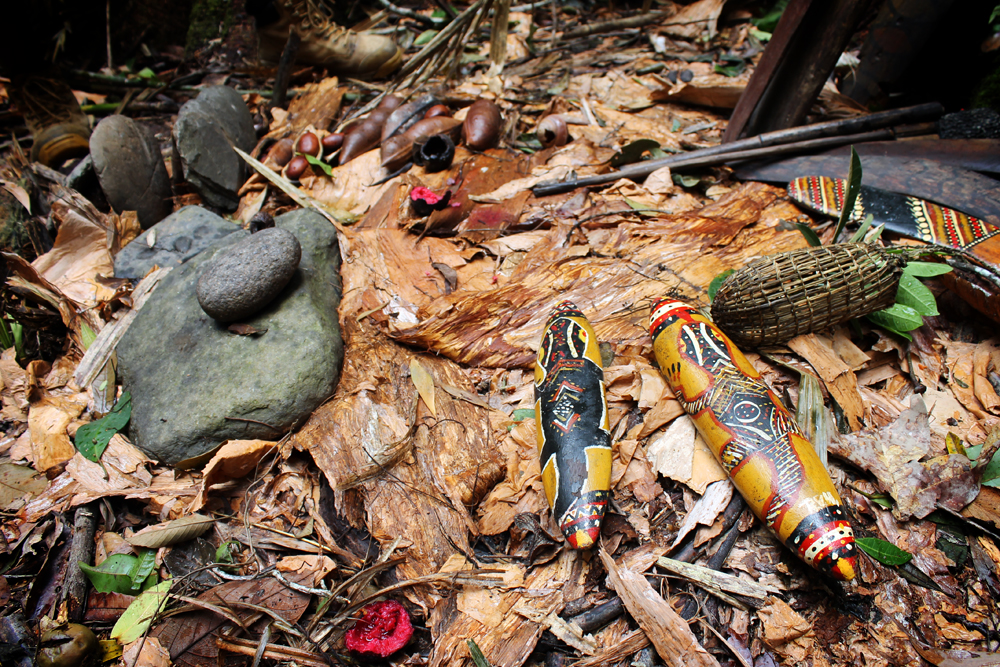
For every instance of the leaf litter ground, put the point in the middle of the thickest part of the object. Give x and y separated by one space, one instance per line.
419 478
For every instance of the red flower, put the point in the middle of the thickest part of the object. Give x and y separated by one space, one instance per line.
383 629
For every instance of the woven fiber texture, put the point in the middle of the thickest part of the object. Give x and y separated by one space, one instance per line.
775 298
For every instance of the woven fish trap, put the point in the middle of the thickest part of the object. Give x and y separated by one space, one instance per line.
775 298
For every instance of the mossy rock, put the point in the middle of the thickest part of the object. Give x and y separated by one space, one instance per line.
210 19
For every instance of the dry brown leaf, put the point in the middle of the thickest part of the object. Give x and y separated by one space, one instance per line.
145 652
423 380
47 421
694 19
315 105
18 481
836 375
669 633
785 630
681 454
310 568
19 193
172 532
903 460
708 508
79 254
488 616
233 460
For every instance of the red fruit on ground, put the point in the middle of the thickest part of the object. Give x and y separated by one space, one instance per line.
383 629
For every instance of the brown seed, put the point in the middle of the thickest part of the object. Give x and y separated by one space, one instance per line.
437 110
308 144
552 131
282 152
390 102
296 168
332 142
482 126
397 150
362 138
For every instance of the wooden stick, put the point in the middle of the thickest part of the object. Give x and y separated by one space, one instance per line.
81 551
769 61
284 76
400 11
806 137
616 24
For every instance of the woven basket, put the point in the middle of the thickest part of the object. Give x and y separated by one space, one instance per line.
776 298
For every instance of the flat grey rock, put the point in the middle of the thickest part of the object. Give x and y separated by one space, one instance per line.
248 275
194 384
176 239
130 168
206 129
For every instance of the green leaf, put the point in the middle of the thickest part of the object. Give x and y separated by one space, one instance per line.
425 36
114 575
634 151
897 317
713 287
93 438
224 553
523 413
954 445
734 69
6 337
140 614
991 472
676 125
87 336
761 35
686 181
144 566
925 269
812 238
853 187
477 655
769 21
859 235
882 551
316 162
880 499
439 15
639 206
913 293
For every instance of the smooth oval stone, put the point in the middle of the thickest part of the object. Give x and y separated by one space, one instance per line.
245 279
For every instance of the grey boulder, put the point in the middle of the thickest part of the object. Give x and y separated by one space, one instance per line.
130 169
176 239
206 129
245 278
194 384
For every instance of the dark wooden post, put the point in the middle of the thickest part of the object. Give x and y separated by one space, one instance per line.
807 44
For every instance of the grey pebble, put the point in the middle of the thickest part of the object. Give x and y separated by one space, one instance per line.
687 75
249 275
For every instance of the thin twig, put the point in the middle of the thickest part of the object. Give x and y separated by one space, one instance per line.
410 14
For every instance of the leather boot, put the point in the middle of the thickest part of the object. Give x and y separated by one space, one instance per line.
344 52
59 128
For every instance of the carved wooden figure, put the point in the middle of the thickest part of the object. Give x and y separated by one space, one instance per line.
754 437
574 438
